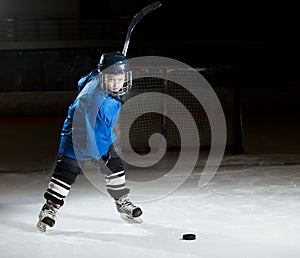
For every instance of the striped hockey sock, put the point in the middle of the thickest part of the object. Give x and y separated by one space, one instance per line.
57 190
116 185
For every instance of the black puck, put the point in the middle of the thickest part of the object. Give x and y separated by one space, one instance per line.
188 236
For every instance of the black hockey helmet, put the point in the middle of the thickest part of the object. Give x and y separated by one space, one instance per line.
115 63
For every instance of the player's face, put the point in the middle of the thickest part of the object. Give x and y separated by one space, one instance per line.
114 82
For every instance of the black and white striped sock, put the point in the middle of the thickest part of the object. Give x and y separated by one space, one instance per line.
57 191
116 185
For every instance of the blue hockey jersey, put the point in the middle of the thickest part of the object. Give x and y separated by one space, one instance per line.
88 129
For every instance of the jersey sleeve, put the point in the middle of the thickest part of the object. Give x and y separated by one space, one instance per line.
106 121
86 79
84 123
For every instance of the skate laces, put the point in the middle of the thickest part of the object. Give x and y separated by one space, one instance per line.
50 209
126 204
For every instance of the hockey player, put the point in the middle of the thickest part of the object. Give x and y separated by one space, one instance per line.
90 137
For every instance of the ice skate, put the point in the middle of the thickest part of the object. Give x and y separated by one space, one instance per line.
47 216
128 211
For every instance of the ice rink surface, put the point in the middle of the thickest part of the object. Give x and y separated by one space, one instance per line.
251 208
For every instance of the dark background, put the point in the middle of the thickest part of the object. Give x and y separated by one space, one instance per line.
257 38
254 37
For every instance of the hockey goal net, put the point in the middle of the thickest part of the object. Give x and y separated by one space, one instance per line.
223 81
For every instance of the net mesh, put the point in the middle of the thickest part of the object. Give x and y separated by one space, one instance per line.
223 83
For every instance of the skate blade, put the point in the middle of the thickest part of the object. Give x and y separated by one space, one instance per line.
131 219
41 226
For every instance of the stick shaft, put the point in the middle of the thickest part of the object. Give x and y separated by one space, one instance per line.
149 8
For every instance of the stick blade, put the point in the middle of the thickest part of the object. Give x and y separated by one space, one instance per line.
151 7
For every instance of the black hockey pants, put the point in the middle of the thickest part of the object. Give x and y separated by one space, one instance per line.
67 169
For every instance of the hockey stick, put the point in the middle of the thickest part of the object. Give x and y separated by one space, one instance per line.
149 8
